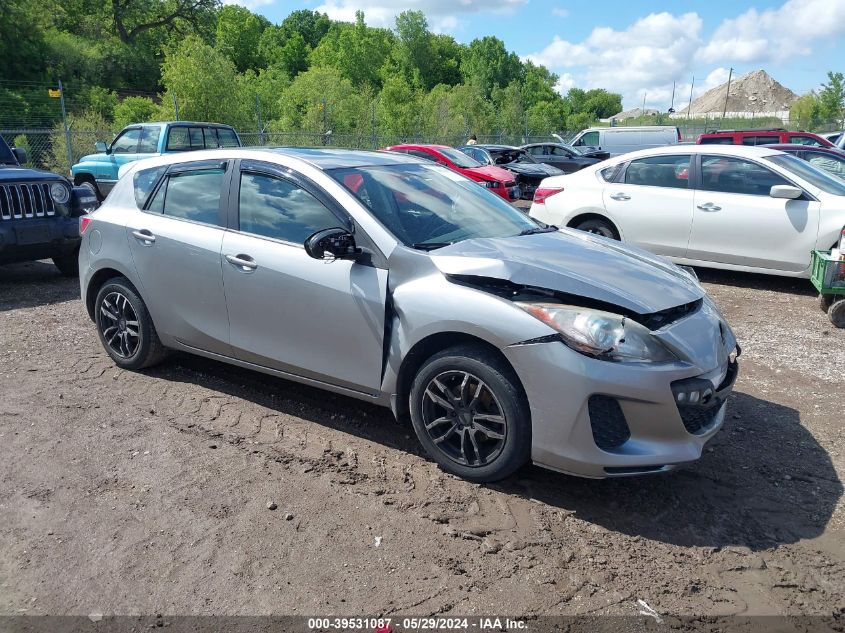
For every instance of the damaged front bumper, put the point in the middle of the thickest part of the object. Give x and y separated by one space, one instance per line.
594 418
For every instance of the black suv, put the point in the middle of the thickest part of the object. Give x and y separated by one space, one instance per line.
39 213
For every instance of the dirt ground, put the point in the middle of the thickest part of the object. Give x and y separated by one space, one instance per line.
140 493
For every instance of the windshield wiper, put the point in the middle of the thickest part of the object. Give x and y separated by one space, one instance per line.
430 246
548 228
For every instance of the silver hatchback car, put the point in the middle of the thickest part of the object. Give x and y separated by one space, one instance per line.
399 282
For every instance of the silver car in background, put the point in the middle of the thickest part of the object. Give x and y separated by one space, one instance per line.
399 282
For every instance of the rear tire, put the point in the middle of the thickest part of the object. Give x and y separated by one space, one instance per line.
470 414
825 301
68 265
125 328
836 313
598 226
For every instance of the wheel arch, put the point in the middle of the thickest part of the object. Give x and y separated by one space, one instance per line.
97 281
594 215
427 347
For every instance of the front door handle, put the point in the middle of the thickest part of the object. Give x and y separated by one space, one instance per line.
620 196
242 262
709 206
145 236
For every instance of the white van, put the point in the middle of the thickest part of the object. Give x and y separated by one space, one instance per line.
621 140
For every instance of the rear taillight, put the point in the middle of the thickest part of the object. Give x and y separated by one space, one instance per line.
84 221
542 193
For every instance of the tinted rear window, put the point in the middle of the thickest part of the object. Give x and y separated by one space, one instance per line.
717 140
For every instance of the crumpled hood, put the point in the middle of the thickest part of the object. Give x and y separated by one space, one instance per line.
23 174
534 169
576 263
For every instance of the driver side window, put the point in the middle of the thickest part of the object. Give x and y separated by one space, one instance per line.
126 143
280 209
590 139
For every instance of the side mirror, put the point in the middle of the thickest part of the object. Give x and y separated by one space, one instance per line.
331 244
787 192
83 200
20 155
101 147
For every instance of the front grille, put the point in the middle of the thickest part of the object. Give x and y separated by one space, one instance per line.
26 200
607 421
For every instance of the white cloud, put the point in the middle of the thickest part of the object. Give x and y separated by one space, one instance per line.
560 12
644 58
564 83
650 53
443 15
775 34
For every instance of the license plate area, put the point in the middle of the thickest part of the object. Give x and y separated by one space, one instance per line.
27 235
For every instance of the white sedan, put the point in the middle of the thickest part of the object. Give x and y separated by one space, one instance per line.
740 208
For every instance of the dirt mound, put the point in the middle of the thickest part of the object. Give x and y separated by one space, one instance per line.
754 92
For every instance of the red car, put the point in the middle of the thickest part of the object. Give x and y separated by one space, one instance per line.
496 179
762 137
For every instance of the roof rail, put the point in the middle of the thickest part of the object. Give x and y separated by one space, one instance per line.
750 129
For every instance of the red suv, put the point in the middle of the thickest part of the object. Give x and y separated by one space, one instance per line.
762 137
496 179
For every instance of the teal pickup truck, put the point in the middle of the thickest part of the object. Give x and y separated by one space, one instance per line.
100 171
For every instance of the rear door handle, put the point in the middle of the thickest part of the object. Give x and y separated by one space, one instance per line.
620 196
145 236
709 206
244 263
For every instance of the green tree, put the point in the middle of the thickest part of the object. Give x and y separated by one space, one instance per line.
206 84
806 111
398 109
356 50
832 97
319 100
601 103
487 64
413 48
134 110
238 36
311 25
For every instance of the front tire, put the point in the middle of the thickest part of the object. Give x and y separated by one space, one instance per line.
470 414
125 327
68 264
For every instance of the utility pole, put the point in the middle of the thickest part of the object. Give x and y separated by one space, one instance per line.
689 105
176 106
727 93
642 110
66 126
672 105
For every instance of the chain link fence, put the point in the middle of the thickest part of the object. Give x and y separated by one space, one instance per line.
40 119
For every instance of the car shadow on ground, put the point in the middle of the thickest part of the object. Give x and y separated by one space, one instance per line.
762 481
33 284
756 281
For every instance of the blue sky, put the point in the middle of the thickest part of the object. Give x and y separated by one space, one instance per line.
635 48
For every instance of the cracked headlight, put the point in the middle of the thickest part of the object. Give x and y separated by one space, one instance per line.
600 334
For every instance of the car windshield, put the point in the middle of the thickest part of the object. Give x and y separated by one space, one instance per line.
459 158
813 175
503 157
427 206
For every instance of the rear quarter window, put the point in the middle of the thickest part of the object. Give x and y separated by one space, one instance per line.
226 137
144 182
